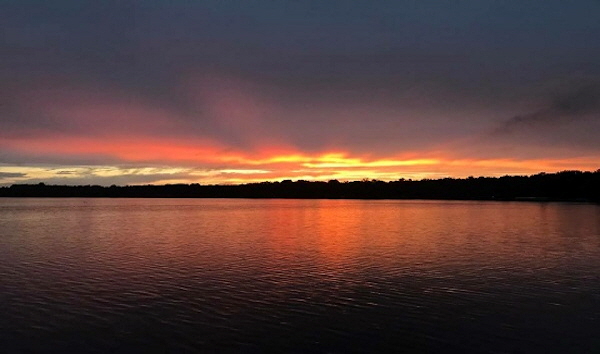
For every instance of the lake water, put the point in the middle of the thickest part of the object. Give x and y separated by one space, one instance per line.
334 276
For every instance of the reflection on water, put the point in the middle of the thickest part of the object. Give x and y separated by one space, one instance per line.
137 275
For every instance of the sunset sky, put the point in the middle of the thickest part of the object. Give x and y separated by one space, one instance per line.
138 92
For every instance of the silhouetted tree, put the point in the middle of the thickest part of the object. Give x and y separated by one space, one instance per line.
564 185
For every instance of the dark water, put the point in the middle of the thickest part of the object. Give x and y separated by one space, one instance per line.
133 275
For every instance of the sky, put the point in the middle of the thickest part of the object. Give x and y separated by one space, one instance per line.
152 92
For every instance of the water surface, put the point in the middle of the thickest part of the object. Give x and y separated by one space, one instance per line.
338 276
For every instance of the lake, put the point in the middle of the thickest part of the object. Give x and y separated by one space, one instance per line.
325 276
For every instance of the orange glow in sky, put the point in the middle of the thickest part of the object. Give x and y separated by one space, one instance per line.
211 92
210 162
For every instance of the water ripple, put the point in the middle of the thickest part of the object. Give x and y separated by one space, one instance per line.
298 276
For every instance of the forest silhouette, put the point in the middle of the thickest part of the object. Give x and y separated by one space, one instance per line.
560 186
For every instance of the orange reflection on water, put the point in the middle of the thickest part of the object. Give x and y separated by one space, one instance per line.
339 231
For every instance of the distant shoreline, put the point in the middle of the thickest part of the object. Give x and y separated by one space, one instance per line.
519 199
567 186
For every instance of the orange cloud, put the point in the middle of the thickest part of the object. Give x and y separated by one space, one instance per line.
227 165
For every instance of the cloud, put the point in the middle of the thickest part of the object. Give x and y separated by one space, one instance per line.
11 175
279 167
570 107
218 85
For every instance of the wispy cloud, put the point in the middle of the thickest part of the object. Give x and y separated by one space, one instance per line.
11 175
569 107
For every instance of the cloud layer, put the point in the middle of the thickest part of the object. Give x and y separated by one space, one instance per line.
243 86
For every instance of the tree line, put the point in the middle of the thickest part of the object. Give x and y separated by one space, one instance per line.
565 185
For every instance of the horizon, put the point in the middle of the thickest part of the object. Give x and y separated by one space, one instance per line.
217 92
399 179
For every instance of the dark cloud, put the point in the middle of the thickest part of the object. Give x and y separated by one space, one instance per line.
570 107
11 175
